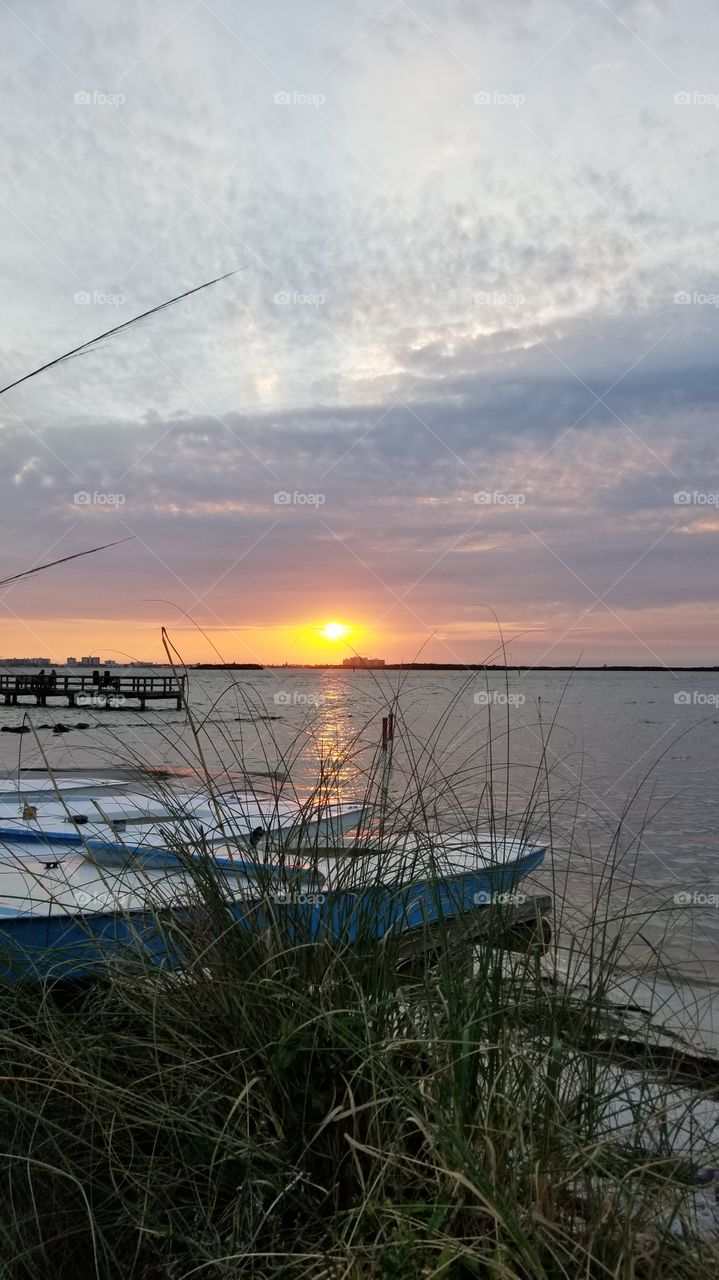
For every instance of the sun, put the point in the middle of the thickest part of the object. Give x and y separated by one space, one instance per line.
334 631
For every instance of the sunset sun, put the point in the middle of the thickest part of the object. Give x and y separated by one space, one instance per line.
334 631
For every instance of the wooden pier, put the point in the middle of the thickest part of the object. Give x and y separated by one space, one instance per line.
96 689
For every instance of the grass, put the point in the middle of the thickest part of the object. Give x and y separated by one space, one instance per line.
285 1110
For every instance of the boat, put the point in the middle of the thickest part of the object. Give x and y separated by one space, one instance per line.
27 787
131 826
93 876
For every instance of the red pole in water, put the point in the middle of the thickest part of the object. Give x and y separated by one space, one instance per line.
387 743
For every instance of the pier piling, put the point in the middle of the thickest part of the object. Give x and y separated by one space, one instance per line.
91 690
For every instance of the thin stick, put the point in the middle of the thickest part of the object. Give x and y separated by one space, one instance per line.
51 563
84 346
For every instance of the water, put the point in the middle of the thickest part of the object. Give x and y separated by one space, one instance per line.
611 734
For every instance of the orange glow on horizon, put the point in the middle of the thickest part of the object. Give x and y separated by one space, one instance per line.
680 634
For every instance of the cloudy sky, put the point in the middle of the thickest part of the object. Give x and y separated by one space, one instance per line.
467 371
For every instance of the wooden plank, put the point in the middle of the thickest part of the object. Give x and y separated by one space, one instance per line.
517 923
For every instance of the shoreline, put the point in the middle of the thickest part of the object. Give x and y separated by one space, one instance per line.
456 666
388 666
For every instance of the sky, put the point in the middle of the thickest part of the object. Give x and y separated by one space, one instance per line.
461 391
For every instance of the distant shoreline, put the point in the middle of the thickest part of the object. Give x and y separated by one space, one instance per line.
468 666
389 666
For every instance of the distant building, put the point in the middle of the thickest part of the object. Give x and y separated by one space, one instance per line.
26 662
91 661
363 662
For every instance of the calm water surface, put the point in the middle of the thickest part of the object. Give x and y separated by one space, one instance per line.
617 754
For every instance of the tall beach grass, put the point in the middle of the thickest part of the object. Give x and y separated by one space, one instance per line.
285 1109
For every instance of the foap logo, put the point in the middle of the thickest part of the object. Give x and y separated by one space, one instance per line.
695 98
691 498
288 898
98 901
289 698
498 98
498 698
96 98
695 698
295 98
496 298
285 499
683 298
286 299
86 499
498 498
485 899
88 901
95 699
695 898
83 298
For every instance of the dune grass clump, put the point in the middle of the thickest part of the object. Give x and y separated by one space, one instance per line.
282 1107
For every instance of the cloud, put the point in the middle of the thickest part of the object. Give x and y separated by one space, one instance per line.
442 296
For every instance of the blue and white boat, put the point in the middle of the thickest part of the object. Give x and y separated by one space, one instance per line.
95 874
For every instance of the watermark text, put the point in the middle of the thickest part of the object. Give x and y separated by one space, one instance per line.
498 98
285 698
691 498
296 98
498 498
695 698
285 499
86 499
695 898
498 698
